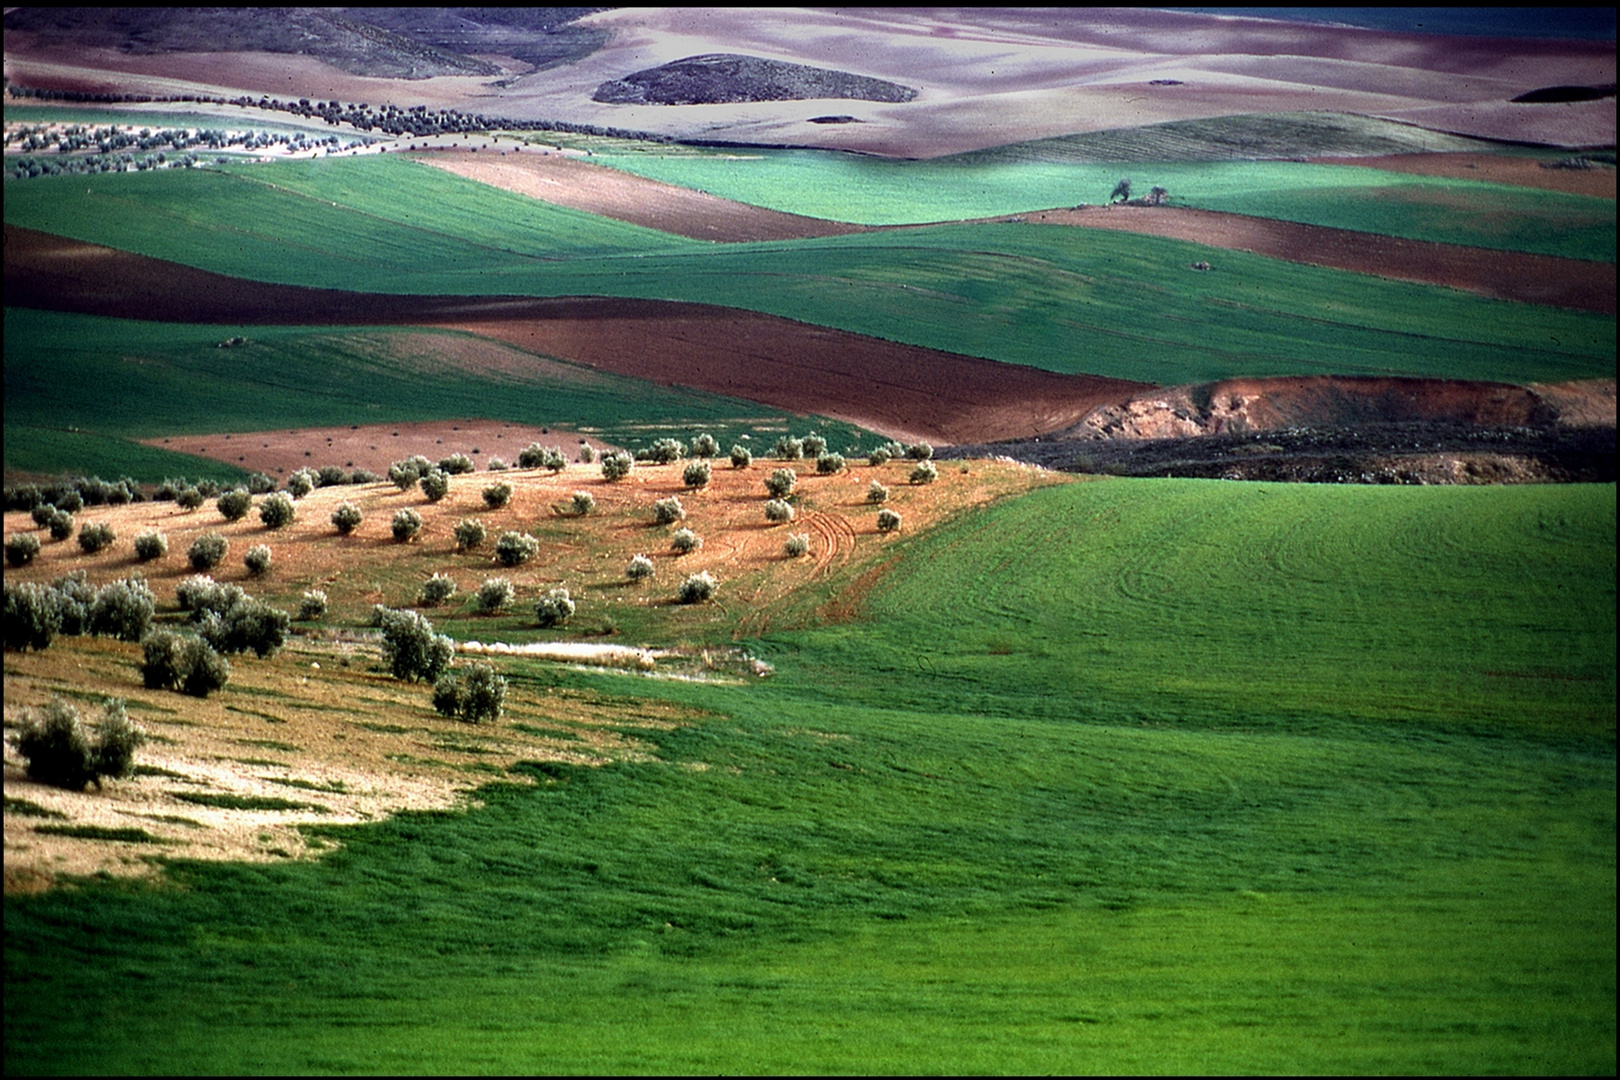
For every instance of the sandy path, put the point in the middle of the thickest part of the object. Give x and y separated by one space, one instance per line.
900 390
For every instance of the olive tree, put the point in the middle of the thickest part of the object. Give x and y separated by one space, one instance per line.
151 545
208 551
494 594
406 524
515 548
616 465
97 536
554 608
277 511
346 518
697 588
639 569
685 541
781 482
234 504
668 511
777 511
475 695
62 751
469 532
411 648
436 590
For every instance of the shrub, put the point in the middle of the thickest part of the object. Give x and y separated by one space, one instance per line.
554 459
200 593
640 568
363 476
813 445
60 524
741 456
22 496
188 498
406 524
587 453
208 488
70 500
878 457
497 495
924 473
876 493
888 521
554 608
412 649
829 463
182 662
668 511
781 483
456 464
696 474
685 541
616 465
435 485
584 503
247 623
666 451
22 547
469 533
259 484
42 514
62 753
496 464
330 476
346 518
122 610
312 605
75 596
697 588
299 484
475 696
33 616
515 548
494 594
531 456
234 504
403 475
436 590
151 545
277 510
705 446
208 551
257 559
797 544
919 451
777 511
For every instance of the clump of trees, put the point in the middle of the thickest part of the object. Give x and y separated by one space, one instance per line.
788 448
666 451
456 465
35 613
554 608
515 548
476 695
97 536
21 548
230 620
182 662
411 648
535 456
63 751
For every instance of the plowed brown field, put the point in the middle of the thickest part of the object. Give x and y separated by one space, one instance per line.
901 390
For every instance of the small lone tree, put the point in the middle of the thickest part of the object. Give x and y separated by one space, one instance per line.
456 464
470 533
640 568
406 524
60 524
257 559
312 605
234 504
435 485
22 547
494 594
696 474
496 464
122 610
97 536
584 502
924 473
788 448
257 484
587 453
781 482
797 544
697 588
829 463
919 451
330 476
151 545
411 648
1121 192
741 456
887 521
346 518
668 511
616 465
777 511
685 541
277 511
666 451
515 548
879 457
1157 196
61 752
208 551
33 616
705 446
436 590
476 695
497 495
876 493
302 482
554 608
403 475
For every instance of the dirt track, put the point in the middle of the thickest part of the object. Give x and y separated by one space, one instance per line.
1504 275
901 390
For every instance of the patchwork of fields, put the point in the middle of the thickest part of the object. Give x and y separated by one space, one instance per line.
1063 775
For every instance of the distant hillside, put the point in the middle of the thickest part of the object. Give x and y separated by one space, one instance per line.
724 77
1274 136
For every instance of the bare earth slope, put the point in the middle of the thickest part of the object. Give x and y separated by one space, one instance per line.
901 390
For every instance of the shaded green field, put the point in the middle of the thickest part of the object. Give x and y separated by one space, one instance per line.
1063 299
117 379
881 191
901 856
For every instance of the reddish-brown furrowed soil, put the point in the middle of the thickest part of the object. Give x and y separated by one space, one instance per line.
1495 168
900 390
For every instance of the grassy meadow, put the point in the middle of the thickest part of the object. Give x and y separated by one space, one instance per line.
1114 776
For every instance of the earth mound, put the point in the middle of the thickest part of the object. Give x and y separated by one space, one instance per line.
726 78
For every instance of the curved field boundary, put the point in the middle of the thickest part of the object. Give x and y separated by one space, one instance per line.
904 391
1502 275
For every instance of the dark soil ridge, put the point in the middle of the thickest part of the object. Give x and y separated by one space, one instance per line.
725 78
1412 452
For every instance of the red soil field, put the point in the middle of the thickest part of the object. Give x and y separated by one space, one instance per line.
900 390
1495 168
